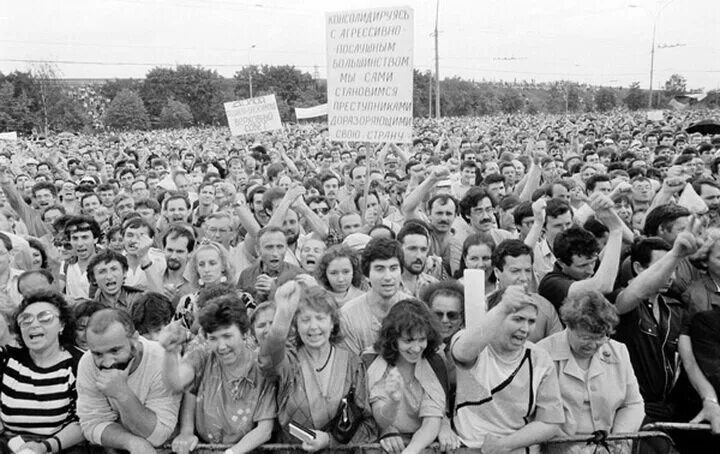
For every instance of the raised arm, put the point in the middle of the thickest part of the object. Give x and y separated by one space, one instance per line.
415 199
287 298
604 278
475 338
280 212
649 282
176 373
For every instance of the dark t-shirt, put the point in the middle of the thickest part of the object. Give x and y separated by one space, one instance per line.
555 286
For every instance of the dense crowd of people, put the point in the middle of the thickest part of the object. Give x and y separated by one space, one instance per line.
173 288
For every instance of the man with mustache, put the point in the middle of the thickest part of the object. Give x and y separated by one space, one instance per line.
477 215
123 402
415 241
440 213
178 242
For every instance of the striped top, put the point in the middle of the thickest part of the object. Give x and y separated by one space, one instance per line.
36 400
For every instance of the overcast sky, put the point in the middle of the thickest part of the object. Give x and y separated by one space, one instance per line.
599 42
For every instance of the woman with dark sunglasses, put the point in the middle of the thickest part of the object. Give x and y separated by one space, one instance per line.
37 379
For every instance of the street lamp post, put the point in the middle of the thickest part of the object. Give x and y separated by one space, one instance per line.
660 7
250 70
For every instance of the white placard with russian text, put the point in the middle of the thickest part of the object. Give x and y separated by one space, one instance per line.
254 115
370 75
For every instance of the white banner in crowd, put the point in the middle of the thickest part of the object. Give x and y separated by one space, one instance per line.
8 135
302 113
250 116
655 115
370 75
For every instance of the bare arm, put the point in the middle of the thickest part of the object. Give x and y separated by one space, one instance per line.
649 282
427 433
531 434
604 278
710 408
475 338
525 191
415 198
256 437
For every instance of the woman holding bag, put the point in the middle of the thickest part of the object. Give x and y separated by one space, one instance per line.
320 381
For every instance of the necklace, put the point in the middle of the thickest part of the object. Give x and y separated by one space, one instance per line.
326 361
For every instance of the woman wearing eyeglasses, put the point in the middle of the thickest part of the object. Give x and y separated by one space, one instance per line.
37 379
597 381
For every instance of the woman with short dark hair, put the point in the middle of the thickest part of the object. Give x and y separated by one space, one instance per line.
233 402
44 365
407 397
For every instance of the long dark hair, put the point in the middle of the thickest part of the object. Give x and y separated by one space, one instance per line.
407 316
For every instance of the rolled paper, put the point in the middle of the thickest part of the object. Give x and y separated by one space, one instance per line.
475 303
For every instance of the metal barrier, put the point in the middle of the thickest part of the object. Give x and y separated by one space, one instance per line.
432 449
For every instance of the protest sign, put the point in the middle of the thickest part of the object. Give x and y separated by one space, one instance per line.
655 115
250 116
475 303
370 75
12 136
302 113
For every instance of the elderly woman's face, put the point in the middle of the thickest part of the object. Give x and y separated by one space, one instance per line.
262 324
584 344
40 327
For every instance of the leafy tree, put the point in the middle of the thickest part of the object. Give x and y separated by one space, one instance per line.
676 85
15 113
111 88
66 114
291 87
635 98
421 92
511 101
126 111
175 115
199 88
605 99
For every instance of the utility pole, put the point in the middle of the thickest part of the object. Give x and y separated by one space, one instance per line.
250 69
652 62
437 62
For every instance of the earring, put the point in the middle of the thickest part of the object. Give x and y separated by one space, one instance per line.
223 279
201 282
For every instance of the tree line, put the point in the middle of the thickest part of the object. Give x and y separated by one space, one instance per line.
39 101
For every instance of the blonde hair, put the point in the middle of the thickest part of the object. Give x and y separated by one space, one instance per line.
228 269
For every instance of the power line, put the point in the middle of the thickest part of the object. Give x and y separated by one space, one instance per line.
120 63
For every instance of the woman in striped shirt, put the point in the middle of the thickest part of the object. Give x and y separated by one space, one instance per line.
37 380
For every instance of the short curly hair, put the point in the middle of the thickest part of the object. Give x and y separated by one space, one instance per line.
575 241
589 310
407 316
222 312
338 252
67 317
380 249
318 299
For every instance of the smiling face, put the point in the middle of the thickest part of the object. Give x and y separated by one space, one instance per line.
411 346
449 312
40 326
314 327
